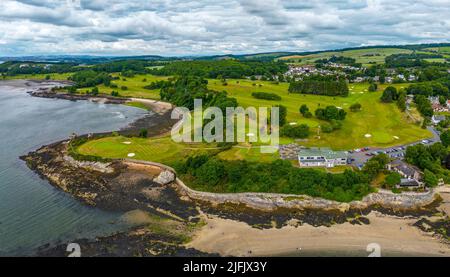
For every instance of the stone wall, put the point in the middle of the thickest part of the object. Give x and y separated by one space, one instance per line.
273 201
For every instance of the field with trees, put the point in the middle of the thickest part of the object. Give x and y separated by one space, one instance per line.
325 110
365 57
386 124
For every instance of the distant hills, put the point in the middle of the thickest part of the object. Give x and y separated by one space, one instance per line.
269 56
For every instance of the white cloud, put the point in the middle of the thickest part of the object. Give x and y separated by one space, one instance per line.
177 27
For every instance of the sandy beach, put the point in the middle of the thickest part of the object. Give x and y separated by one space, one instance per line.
394 235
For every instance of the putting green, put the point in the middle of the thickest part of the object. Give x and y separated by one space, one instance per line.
162 150
382 121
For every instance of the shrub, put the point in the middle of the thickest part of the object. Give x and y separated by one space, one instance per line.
143 133
356 107
266 96
300 131
389 95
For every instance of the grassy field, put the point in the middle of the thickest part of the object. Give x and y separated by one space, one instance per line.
364 56
53 76
162 150
436 60
384 122
440 50
135 86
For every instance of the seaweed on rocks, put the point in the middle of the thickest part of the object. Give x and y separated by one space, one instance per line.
135 243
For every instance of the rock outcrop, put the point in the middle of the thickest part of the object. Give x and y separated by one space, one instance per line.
165 177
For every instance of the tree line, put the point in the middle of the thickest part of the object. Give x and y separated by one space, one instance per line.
320 85
222 68
208 173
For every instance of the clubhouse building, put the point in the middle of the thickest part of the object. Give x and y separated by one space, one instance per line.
321 157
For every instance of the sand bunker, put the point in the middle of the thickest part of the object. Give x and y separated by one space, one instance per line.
292 123
127 142
130 155
368 135
395 137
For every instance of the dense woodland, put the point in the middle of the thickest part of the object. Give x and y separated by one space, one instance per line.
211 174
182 91
222 69
411 60
339 60
431 160
320 85
90 78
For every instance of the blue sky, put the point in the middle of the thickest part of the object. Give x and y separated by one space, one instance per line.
172 27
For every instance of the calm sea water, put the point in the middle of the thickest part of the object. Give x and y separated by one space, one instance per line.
32 212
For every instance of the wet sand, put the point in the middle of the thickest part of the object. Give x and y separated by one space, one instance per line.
394 235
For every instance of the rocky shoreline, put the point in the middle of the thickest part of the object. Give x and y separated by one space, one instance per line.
127 184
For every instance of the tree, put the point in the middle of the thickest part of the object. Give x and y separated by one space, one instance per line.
392 179
308 114
94 91
389 95
423 105
282 114
375 165
373 87
211 172
47 77
445 138
430 179
355 107
72 90
330 112
300 131
303 109
401 101
143 133
266 96
326 128
442 100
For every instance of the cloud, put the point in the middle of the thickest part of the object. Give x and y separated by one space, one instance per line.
181 27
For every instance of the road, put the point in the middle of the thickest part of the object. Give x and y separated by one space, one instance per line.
358 159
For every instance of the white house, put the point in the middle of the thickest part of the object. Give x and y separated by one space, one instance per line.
321 157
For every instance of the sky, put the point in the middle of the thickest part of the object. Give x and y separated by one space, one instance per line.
174 28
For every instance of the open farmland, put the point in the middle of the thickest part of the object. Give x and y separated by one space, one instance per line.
363 56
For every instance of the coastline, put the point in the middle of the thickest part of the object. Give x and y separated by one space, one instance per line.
93 188
393 234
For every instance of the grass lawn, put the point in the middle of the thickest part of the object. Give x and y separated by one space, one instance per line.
440 50
384 122
162 150
248 153
364 56
436 60
135 86
53 76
